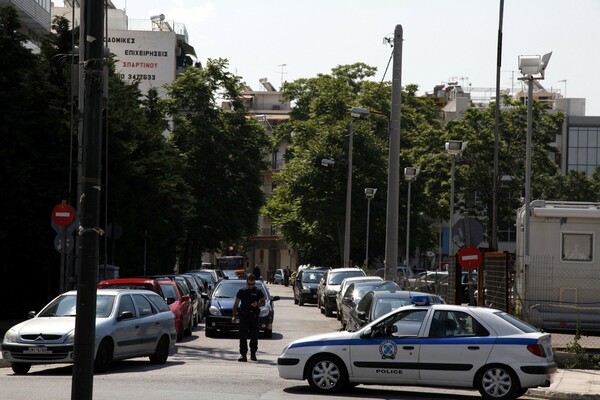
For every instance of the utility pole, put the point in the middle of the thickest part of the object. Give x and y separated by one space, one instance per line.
90 184
391 228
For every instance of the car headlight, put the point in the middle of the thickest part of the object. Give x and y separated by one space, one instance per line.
10 336
214 310
305 289
264 311
71 338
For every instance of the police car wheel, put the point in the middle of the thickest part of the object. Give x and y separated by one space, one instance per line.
497 382
327 374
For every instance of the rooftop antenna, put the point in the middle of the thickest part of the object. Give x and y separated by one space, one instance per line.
282 66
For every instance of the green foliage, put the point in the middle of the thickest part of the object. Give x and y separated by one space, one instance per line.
224 153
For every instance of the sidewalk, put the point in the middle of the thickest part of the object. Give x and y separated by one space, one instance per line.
570 384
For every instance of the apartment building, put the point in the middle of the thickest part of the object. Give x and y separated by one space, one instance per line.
35 18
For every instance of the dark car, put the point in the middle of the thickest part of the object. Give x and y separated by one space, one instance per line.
378 303
220 308
207 276
356 291
305 285
329 286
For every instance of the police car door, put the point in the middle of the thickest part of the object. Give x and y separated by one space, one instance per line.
388 352
455 347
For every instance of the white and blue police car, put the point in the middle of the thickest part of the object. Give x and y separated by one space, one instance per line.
425 344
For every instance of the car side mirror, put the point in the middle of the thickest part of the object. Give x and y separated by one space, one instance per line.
205 296
362 315
124 315
185 298
31 314
367 333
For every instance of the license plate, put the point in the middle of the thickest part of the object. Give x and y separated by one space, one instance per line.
37 350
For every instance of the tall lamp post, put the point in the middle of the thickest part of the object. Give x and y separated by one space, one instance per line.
454 148
410 175
533 68
355 112
369 194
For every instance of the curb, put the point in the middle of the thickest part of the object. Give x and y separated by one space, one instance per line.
552 395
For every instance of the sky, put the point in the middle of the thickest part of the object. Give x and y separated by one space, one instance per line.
443 40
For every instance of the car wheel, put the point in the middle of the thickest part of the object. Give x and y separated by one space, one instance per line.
520 393
295 300
338 315
328 311
497 382
209 332
180 331
103 356
162 351
327 374
188 330
300 302
196 319
20 368
268 333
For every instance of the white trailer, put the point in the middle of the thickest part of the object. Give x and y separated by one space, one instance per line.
557 285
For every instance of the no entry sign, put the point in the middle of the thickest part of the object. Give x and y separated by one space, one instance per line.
469 257
63 214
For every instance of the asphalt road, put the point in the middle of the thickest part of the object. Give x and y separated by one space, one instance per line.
207 368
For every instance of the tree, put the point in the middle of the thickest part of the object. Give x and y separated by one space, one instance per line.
224 153
308 206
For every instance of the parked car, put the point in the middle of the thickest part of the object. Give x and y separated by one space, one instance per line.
132 283
305 285
180 304
220 308
199 288
356 291
279 277
404 274
344 286
329 286
438 345
129 323
208 277
378 303
190 290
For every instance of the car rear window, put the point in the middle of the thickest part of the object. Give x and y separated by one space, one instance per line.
159 303
517 323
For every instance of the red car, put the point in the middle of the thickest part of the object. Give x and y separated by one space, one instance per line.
173 294
181 306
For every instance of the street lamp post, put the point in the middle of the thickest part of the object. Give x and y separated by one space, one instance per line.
369 194
454 148
410 174
355 112
532 68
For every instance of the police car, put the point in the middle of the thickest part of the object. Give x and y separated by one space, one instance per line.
428 345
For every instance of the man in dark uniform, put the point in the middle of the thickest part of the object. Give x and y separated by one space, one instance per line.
249 299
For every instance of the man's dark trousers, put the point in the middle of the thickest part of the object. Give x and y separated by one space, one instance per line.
248 327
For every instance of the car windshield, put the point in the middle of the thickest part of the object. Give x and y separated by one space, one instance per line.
168 290
311 277
228 290
66 306
336 279
207 276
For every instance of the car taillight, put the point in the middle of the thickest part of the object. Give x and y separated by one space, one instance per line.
536 349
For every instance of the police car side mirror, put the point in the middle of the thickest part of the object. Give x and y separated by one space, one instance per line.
367 333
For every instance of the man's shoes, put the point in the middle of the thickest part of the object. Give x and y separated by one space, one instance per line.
243 359
253 357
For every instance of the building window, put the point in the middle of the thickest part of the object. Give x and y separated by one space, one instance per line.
577 247
583 149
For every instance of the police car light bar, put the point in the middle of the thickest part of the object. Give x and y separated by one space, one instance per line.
420 300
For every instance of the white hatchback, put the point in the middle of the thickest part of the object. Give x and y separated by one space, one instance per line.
428 345
129 323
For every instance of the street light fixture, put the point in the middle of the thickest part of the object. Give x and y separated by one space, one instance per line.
533 68
355 112
454 148
369 194
410 174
